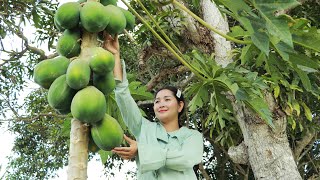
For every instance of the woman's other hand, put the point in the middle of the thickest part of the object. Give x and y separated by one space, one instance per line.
127 152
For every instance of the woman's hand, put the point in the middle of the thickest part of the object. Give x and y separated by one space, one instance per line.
111 44
127 152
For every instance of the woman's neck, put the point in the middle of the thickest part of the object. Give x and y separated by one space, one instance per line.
171 125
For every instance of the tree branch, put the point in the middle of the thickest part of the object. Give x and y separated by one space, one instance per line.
238 154
300 145
204 172
164 74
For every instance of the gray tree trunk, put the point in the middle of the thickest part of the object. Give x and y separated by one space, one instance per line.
266 150
78 152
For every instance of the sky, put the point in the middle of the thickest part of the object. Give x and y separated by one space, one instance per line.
95 167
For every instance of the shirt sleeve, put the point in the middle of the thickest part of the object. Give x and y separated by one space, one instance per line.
153 157
129 109
189 155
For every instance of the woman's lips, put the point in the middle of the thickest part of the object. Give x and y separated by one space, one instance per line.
162 111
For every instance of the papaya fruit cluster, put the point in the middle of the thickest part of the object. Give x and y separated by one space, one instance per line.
80 86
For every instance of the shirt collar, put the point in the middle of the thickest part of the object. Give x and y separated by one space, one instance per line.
162 133
181 134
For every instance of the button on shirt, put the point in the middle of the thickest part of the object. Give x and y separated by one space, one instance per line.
161 155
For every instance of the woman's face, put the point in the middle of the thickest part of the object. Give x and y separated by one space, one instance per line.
166 106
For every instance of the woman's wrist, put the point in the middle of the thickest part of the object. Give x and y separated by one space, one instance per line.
116 56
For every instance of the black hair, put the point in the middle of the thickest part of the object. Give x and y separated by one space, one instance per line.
174 90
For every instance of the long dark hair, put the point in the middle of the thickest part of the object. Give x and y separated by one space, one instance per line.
174 90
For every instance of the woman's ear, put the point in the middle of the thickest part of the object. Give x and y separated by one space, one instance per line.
181 105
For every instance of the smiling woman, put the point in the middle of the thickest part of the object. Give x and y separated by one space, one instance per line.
163 149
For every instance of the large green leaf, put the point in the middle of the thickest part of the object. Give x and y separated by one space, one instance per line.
260 36
259 106
139 92
276 26
200 95
240 10
307 38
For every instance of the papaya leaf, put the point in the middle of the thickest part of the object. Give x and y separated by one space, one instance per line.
139 92
248 53
104 155
307 38
259 106
200 96
260 37
304 62
226 83
240 11
282 48
276 26
238 31
307 111
304 78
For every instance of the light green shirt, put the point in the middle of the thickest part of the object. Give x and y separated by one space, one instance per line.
161 155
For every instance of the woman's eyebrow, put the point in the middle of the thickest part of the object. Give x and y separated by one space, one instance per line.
164 97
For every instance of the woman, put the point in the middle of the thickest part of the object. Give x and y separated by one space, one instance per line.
163 149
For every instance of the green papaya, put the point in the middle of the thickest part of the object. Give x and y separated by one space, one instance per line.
107 2
94 17
130 19
60 95
101 60
117 21
68 44
46 71
68 15
92 147
89 105
107 134
78 74
105 83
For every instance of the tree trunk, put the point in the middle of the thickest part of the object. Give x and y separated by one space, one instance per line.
78 153
268 150
222 47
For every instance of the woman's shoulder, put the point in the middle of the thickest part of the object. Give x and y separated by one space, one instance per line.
187 133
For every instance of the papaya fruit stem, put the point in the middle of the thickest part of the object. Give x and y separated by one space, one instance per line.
208 25
165 43
163 33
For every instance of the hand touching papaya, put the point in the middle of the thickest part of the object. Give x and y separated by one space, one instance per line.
111 43
127 152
